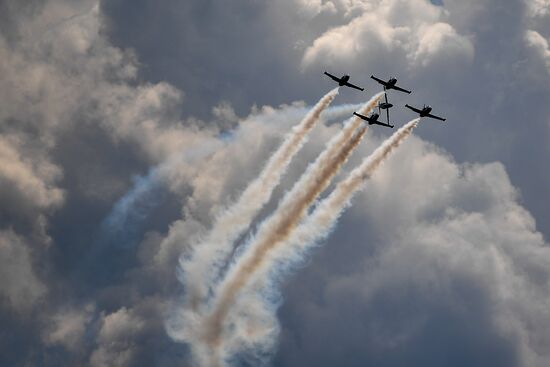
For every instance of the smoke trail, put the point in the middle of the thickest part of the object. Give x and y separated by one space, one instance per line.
282 223
332 206
330 115
278 227
123 224
321 221
314 228
203 266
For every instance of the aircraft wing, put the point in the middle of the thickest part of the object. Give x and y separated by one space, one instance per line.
361 116
332 76
353 86
435 117
412 108
378 80
401 89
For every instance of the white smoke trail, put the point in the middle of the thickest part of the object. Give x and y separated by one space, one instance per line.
333 113
123 226
323 218
277 227
319 224
202 268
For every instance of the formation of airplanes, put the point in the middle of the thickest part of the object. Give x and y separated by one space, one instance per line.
391 83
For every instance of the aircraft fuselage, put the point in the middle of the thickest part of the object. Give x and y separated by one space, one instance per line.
425 111
343 80
374 117
391 83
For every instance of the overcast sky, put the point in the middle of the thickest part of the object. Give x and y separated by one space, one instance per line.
127 125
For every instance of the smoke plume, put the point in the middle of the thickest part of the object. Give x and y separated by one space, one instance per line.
202 268
279 226
286 244
323 218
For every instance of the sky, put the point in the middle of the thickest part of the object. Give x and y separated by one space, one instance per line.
128 126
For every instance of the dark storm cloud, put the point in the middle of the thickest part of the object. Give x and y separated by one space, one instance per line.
436 263
245 52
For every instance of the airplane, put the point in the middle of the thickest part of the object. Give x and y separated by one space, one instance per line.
425 112
390 84
343 81
385 106
372 119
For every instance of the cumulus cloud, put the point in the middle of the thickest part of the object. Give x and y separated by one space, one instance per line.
413 30
447 248
540 45
539 9
440 42
434 252
67 328
115 339
27 183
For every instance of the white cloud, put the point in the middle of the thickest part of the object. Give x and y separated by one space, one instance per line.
440 41
412 30
540 45
116 339
538 8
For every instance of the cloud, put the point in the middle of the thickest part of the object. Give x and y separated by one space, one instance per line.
444 249
439 260
19 284
410 30
68 327
115 339
27 184
441 43
538 8
72 107
540 45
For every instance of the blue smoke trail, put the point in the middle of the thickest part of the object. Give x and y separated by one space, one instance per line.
123 226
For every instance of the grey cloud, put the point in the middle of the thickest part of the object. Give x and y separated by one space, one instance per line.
67 327
27 183
245 52
115 339
437 262
19 283
450 276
